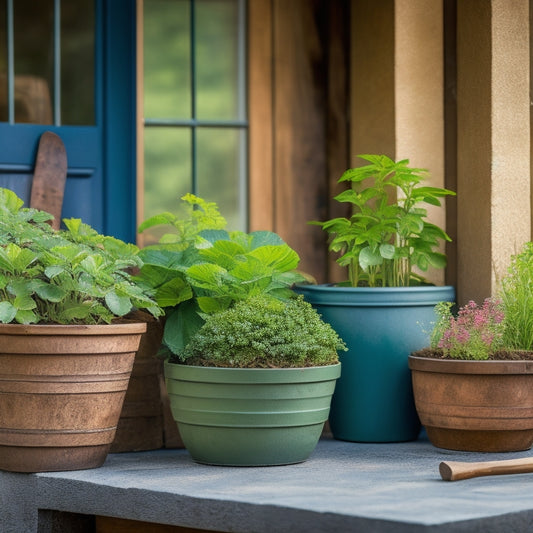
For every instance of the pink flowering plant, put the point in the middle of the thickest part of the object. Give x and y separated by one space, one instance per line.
475 333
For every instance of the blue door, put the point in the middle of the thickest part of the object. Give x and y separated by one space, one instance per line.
69 67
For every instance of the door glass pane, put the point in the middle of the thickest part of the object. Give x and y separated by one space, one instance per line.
34 60
39 56
4 115
167 69
77 62
167 174
220 171
217 59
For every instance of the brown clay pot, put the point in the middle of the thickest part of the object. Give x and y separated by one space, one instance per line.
61 392
140 426
146 422
483 406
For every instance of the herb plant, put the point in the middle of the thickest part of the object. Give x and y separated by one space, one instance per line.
264 332
201 268
387 237
516 294
72 276
201 215
476 333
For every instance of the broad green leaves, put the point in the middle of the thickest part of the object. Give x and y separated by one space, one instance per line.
68 276
181 325
387 237
201 215
203 269
7 312
234 266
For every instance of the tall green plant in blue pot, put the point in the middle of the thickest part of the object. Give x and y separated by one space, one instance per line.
386 308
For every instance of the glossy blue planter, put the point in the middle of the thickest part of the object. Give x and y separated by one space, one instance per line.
373 399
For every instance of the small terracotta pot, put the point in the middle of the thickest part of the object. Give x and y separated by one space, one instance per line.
61 392
483 406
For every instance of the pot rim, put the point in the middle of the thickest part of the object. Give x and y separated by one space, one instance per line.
464 366
330 294
212 374
73 329
329 286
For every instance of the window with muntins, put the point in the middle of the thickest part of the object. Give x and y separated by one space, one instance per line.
47 62
195 109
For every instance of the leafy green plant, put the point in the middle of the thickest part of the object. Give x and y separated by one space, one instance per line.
201 215
202 269
475 333
387 237
264 332
69 276
516 294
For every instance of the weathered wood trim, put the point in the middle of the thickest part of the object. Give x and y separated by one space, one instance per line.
260 72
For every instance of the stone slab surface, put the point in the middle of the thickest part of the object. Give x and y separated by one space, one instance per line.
342 487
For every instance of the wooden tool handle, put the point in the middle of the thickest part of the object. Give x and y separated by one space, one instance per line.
454 470
49 177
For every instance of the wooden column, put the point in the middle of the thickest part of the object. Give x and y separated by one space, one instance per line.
260 98
298 120
300 138
493 136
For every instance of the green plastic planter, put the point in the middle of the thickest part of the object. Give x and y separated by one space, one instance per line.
373 400
249 416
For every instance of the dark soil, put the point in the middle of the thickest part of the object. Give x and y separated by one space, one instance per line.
500 355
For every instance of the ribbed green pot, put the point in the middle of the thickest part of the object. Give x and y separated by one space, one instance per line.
250 416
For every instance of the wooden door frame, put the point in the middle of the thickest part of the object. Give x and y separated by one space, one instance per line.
298 133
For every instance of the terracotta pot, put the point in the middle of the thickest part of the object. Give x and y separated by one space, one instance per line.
146 422
61 392
140 426
484 406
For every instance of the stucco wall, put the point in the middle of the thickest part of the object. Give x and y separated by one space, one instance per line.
397 86
397 96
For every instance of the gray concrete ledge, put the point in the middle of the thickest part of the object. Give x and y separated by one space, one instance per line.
342 487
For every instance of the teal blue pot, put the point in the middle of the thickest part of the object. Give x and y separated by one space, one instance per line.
373 400
250 416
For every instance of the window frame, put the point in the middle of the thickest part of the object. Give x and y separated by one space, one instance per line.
194 124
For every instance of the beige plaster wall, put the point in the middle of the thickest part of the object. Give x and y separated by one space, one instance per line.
511 206
494 212
397 92
419 93
397 86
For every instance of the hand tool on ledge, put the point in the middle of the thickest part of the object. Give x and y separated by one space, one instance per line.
456 470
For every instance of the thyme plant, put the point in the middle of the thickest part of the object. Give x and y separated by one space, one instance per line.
475 333
264 332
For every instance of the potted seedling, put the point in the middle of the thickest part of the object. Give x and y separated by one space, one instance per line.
385 308
67 345
473 385
250 368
